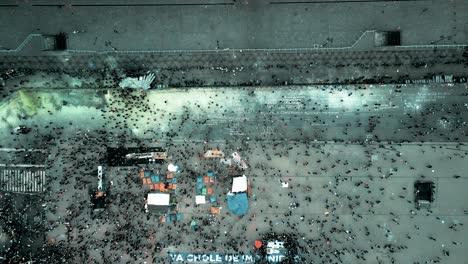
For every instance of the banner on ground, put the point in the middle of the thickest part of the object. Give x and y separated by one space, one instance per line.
222 258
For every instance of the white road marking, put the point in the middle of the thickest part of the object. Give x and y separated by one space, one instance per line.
22 180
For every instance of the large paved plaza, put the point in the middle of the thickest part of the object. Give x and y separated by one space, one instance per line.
349 159
233 131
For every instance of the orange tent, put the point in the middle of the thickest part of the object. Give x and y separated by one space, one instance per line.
157 186
214 154
215 210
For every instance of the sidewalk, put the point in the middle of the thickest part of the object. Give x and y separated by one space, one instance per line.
210 25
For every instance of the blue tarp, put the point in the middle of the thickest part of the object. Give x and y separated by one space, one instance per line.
238 203
154 179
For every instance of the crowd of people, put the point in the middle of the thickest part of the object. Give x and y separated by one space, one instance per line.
124 233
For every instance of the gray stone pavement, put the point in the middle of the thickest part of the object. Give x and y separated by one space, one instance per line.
335 144
210 25
367 188
388 215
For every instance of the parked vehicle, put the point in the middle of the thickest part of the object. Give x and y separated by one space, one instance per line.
22 129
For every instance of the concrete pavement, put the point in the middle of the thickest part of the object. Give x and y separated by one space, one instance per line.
211 25
366 188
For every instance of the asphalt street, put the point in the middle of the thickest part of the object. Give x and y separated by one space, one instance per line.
242 68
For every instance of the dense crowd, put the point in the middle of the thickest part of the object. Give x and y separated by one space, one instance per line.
124 233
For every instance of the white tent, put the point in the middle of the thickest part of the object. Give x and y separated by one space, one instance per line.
274 247
158 198
142 82
172 168
240 162
239 184
200 199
